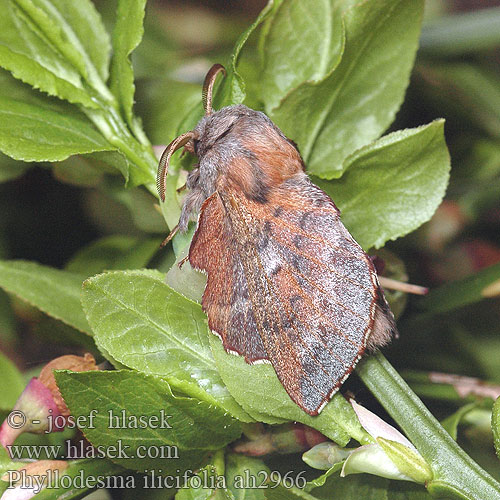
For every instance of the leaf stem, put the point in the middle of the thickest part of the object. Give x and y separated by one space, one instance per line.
455 473
141 156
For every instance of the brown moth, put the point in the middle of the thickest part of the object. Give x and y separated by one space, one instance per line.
287 283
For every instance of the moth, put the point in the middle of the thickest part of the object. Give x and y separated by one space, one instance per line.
286 282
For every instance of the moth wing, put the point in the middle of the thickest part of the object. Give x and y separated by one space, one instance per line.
287 283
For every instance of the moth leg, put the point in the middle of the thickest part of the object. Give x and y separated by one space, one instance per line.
183 261
170 236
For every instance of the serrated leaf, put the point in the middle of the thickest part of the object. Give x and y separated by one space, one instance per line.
31 72
30 57
358 101
257 389
75 31
55 292
127 35
12 382
59 134
392 186
120 398
145 325
303 42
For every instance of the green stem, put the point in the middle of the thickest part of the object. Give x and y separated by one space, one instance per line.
455 473
141 156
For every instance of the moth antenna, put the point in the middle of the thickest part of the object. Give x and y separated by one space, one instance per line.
208 86
161 176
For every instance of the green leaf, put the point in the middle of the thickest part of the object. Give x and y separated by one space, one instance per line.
207 484
451 422
170 424
8 334
459 293
392 186
356 103
257 389
89 170
6 463
279 492
145 325
12 382
59 134
76 32
55 292
232 89
127 35
162 104
91 471
29 55
113 252
51 331
33 73
60 129
370 487
142 207
303 41
246 477
408 462
495 425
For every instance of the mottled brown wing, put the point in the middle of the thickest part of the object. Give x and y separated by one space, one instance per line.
287 283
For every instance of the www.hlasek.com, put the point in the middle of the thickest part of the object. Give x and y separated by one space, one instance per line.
71 451
154 479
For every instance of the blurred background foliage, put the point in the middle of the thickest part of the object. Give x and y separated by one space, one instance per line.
50 214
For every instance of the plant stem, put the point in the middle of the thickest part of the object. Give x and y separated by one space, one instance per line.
455 473
141 156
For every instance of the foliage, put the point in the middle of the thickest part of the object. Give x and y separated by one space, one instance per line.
332 74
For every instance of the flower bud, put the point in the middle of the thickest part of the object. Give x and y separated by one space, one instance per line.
325 455
40 407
